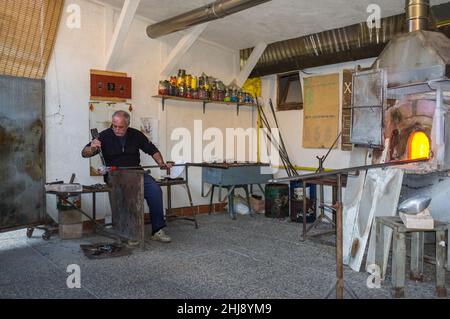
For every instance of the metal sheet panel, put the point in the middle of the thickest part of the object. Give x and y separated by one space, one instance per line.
367 126
380 198
368 88
352 198
368 96
22 197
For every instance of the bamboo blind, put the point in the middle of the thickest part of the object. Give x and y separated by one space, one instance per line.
27 36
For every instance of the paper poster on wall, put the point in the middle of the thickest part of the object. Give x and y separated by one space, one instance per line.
149 126
100 118
321 111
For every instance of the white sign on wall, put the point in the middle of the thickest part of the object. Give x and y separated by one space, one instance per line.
149 126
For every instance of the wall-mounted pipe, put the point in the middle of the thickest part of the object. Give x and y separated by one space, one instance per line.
211 11
417 14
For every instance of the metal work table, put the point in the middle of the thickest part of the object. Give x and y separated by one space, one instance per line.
87 189
232 176
322 181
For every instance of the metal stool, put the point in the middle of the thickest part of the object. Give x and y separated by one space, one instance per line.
169 183
399 253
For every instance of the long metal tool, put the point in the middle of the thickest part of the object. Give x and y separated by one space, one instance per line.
96 135
347 170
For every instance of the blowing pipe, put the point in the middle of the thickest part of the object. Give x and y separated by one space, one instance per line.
211 11
417 14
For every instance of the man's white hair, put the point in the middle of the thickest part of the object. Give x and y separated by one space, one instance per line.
124 115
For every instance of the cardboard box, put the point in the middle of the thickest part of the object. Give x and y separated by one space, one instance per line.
257 205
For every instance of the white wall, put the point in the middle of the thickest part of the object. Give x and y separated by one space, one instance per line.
68 93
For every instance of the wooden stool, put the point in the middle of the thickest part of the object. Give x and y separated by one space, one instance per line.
399 253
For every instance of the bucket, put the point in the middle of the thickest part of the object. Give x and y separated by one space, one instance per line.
277 200
296 201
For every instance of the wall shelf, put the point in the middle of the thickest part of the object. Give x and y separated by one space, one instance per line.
204 102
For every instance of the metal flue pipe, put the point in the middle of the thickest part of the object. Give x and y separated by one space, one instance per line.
417 14
211 11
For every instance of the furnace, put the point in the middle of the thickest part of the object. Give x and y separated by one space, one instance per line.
400 108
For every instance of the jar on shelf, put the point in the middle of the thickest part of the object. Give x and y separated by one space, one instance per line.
201 94
188 81
221 95
194 83
173 90
234 96
181 74
189 93
194 93
163 87
182 90
214 92
181 80
173 80
201 81
248 98
227 97
241 97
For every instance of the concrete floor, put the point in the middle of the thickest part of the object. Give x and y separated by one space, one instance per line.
252 257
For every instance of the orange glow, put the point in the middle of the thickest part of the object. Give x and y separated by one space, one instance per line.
419 146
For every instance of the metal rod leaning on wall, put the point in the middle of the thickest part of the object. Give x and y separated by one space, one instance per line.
281 151
291 167
340 284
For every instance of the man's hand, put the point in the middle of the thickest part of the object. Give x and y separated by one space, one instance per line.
96 144
167 165
92 150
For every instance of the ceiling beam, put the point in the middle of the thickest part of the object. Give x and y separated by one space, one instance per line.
181 48
120 32
251 63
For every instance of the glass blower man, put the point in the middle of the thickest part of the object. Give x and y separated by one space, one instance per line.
120 145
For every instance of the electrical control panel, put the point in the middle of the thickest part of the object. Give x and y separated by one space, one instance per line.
110 85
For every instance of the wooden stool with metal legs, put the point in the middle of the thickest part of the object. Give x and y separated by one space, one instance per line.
178 181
